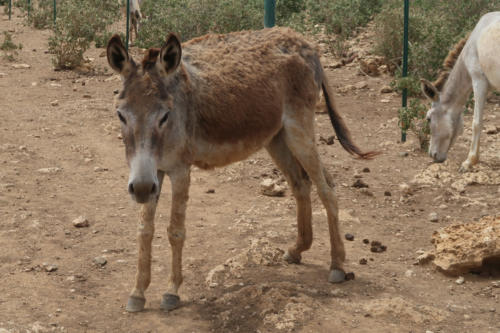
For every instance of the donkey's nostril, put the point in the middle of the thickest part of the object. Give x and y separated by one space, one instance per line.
131 188
153 188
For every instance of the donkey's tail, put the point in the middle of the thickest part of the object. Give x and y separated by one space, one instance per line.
341 129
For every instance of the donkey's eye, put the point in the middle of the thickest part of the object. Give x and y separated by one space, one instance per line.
163 120
122 118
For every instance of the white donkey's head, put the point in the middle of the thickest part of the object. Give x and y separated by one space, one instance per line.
445 123
143 107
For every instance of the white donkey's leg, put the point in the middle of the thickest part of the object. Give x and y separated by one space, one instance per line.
146 230
480 87
180 180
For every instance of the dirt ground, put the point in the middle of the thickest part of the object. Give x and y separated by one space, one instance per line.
61 158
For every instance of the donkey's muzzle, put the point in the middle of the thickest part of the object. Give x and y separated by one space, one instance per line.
143 192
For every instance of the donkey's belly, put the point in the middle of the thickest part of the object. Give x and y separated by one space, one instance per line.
210 155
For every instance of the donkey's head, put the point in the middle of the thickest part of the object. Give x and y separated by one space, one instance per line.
144 108
445 123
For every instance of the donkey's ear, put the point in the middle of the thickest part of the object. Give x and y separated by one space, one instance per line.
429 90
170 54
117 54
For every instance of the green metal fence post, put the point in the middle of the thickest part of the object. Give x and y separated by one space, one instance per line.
55 11
128 25
10 9
405 61
269 14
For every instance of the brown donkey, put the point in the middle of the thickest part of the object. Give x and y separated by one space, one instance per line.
214 101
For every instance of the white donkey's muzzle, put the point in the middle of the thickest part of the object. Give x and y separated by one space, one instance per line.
143 180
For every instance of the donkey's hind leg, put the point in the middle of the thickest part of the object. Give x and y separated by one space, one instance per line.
301 189
299 137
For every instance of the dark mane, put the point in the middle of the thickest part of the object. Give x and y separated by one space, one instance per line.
449 62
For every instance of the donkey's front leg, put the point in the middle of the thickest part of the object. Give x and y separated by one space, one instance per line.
146 230
480 87
180 180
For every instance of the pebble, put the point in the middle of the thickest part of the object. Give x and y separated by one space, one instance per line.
387 193
433 217
460 280
269 187
210 191
363 261
349 237
116 91
100 261
49 170
329 141
54 103
359 184
20 66
409 273
386 90
403 154
491 129
366 169
81 222
87 96
49 267
100 169
366 241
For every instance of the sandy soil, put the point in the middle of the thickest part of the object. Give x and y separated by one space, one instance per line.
61 160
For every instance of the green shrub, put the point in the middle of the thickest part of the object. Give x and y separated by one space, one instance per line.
77 25
192 18
435 26
413 118
8 44
42 14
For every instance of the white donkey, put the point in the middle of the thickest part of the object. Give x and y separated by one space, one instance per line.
475 65
135 17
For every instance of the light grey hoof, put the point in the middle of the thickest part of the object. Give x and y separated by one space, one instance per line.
170 302
336 276
291 259
135 304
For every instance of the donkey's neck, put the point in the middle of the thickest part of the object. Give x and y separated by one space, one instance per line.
458 86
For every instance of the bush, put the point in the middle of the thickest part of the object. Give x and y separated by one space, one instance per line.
413 118
192 18
77 25
435 26
42 14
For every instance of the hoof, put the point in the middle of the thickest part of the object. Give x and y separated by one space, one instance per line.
292 259
336 276
135 304
170 302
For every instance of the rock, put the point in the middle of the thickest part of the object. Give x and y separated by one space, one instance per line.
329 141
100 169
366 241
100 261
3 75
210 191
49 170
87 96
49 267
384 100
377 247
366 169
409 273
425 258
387 193
349 237
359 184
491 129
361 85
116 91
363 261
20 66
405 189
462 248
460 280
403 154
386 90
54 103
81 222
270 188
433 217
